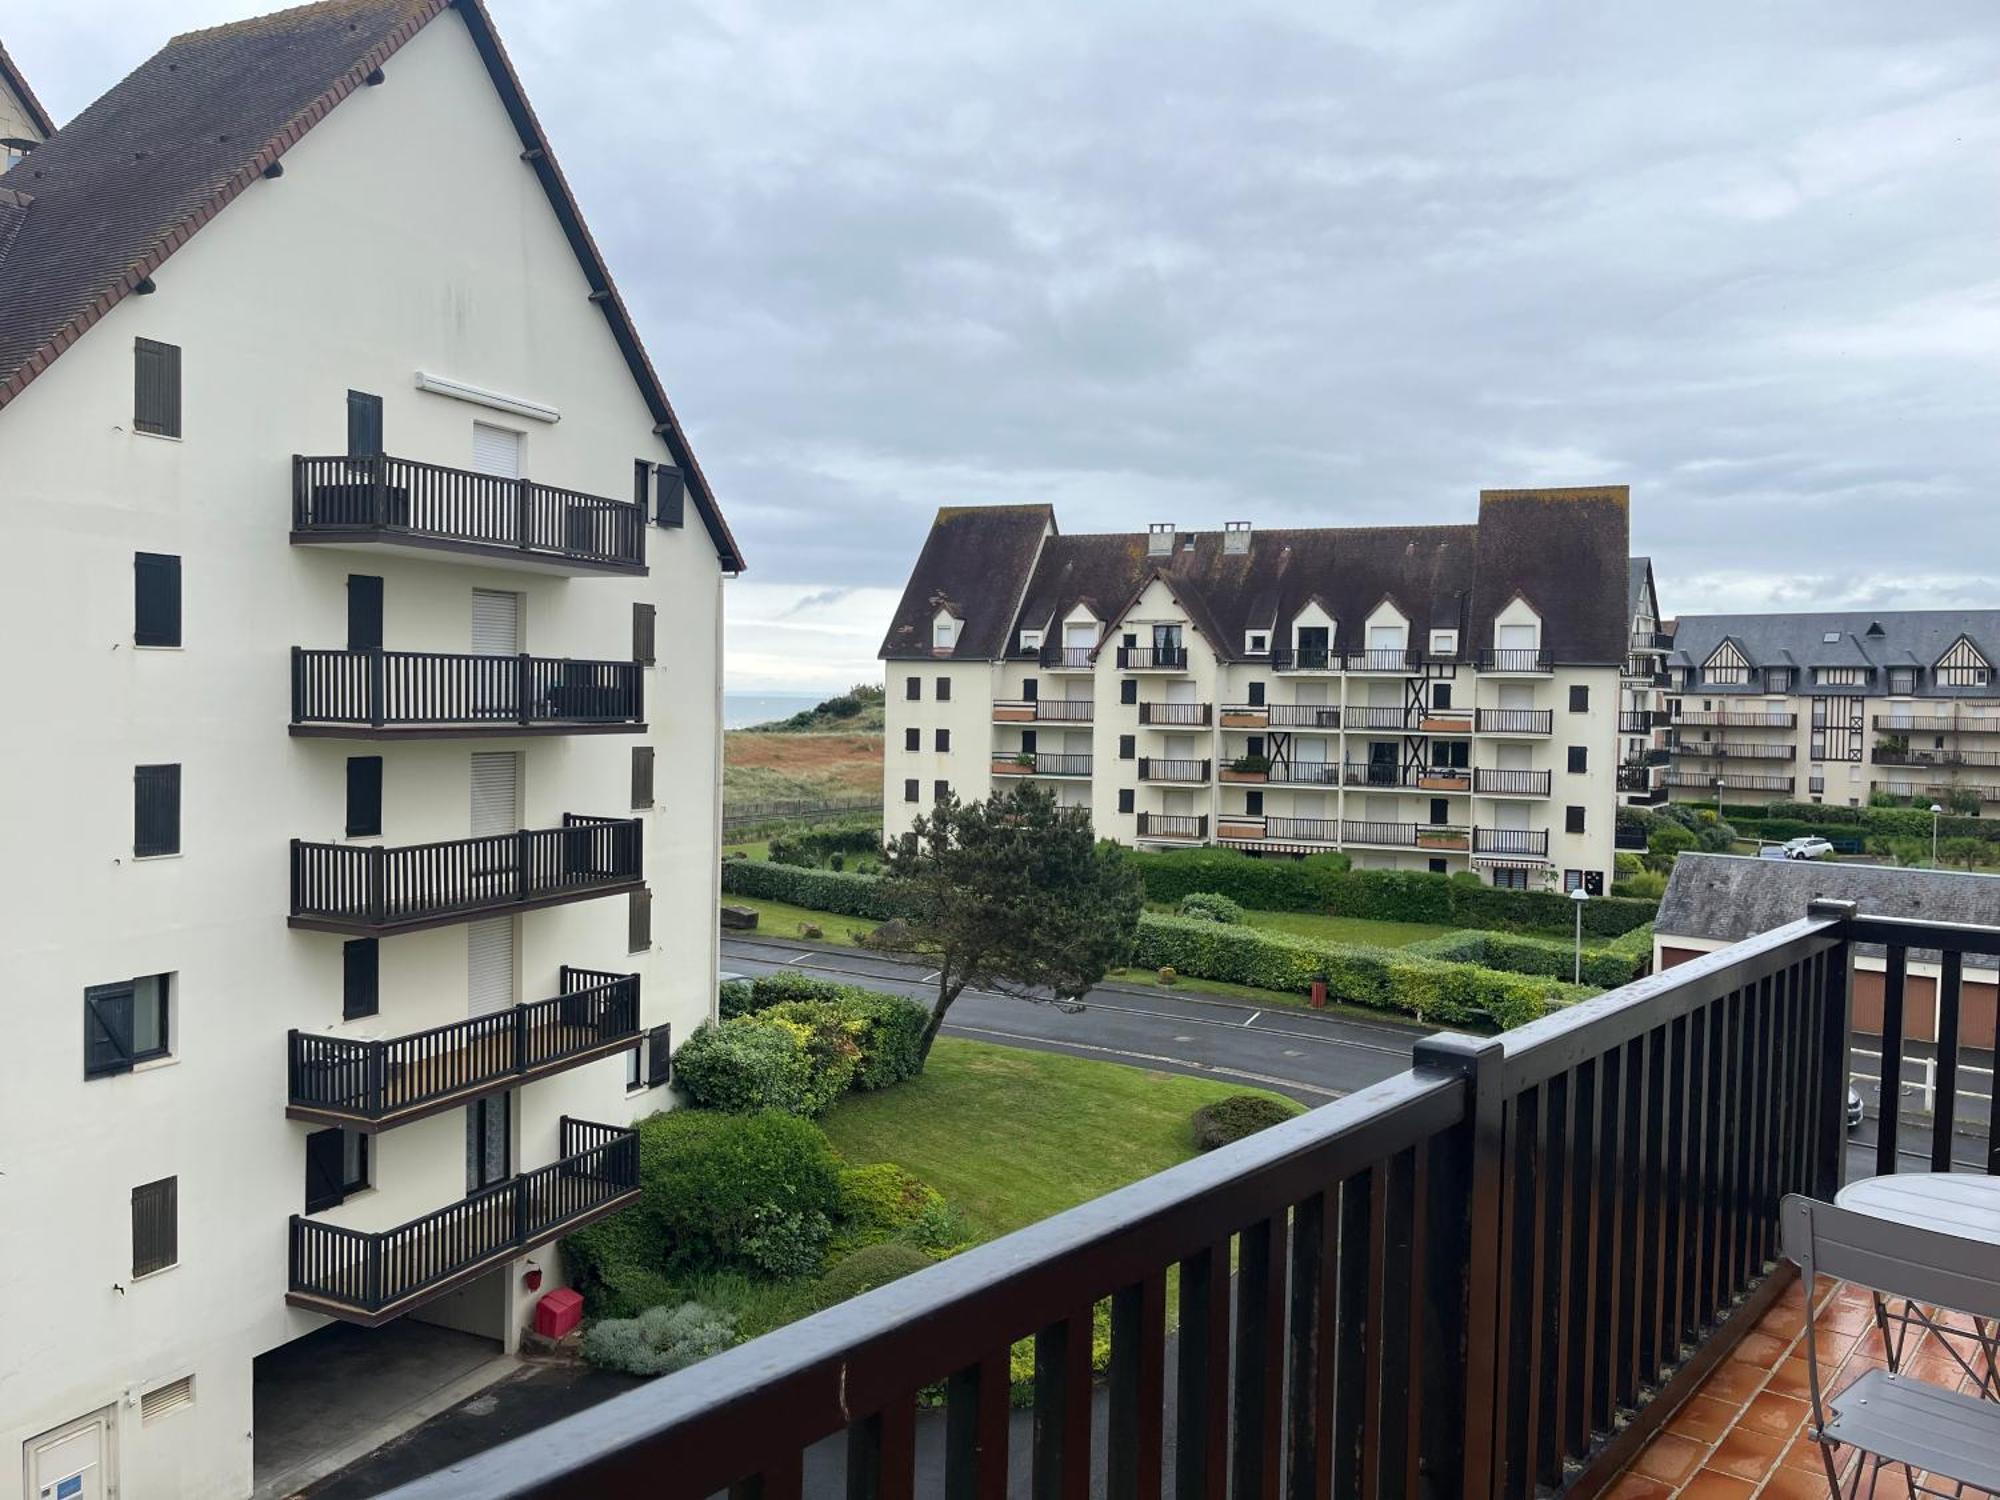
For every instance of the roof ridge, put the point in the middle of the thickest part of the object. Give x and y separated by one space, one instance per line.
246 23
15 79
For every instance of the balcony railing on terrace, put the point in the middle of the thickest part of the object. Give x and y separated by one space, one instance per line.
1493 1275
1640 720
370 1278
1514 659
1044 710
1326 659
368 888
1250 828
1934 723
1516 720
1068 658
1174 713
1651 640
1506 783
1040 763
1304 773
1724 718
1735 750
1531 843
1152 658
1640 778
1888 755
401 501
372 1085
1367 773
1154 825
1441 836
1734 781
415 692
1153 768
1304 716
1361 716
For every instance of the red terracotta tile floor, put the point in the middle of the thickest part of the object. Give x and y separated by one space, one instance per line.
1743 1433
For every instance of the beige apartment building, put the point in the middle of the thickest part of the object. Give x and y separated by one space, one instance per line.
1836 707
1440 698
1642 698
362 763
24 124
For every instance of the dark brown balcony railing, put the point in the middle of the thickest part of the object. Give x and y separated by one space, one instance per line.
1152 658
1304 716
1640 720
1735 781
1891 755
408 691
1068 658
1404 835
1516 720
1735 749
1725 718
1154 825
1305 772
1528 842
1152 768
370 1278
1491 1276
1362 717
1040 763
369 888
1651 640
1413 778
1511 783
1174 713
373 1084
392 499
1514 659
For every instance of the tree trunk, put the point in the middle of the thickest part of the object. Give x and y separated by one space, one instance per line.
948 991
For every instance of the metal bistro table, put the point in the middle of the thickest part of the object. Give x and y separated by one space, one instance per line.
1964 1205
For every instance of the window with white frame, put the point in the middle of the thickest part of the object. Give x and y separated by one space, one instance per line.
1902 679
1031 640
944 633
1257 642
1839 676
1444 643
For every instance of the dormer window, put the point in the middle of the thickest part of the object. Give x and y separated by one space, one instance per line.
1902 679
1256 642
1031 640
944 631
1444 643
1963 666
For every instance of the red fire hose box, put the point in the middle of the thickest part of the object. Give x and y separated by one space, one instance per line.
557 1313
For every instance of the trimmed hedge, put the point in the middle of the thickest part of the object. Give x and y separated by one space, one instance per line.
1520 954
815 846
1210 907
888 1029
1317 883
1323 883
1230 1120
1883 822
1379 978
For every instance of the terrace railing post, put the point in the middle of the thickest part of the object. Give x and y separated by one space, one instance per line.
378 673
521 1038
523 844
379 501
522 504
298 685
298 874
378 1077
524 679
377 867
373 1263
1836 1000
1461 1394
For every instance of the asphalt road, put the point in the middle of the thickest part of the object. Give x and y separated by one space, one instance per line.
1312 1058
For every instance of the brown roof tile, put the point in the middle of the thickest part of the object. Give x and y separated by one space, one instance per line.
974 563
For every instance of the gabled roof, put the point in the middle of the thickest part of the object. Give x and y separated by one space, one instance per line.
1911 637
1562 550
113 194
17 83
1639 579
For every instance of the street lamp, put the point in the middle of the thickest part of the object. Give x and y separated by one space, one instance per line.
1935 812
1579 896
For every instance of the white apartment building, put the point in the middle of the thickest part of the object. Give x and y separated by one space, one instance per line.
24 124
1835 707
1642 699
364 752
1434 698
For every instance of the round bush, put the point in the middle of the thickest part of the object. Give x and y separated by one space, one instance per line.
868 1268
743 1065
882 1198
659 1340
1230 1120
1211 907
1167 974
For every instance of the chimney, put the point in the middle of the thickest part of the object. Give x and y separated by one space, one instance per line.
1235 538
1160 539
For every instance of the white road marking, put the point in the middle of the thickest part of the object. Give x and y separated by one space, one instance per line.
931 978
1178 1062
1253 1017
800 959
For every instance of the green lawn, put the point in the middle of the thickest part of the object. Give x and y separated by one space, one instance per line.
749 848
1327 929
1012 1136
780 920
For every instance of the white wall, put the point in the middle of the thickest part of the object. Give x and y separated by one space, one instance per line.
405 234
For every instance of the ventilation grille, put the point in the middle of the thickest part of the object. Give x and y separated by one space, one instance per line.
166 1399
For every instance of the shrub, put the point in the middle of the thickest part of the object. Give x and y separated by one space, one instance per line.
866 1269
888 1030
1519 954
659 1340
741 1065
883 1197
733 999
718 1192
1210 907
1646 885
1668 840
1229 1120
1168 975
1625 866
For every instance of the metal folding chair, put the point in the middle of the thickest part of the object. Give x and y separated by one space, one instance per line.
1892 1418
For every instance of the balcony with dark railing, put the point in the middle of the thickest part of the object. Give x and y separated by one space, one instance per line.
1415 778
1905 755
370 889
1442 837
1304 659
416 694
1392 659
1980 723
1304 773
1156 768
1734 781
1732 718
380 1083
1735 749
1044 711
1188 827
1517 843
1152 658
1175 715
1640 720
1304 716
404 504
370 1277
1068 658
1040 763
1515 721
1495 1275
1385 716
1651 641
1240 828
1516 660
1495 782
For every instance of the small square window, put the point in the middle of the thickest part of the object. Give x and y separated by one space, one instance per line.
1257 642
1579 698
1031 640
910 790
1444 643
913 738
126 1023
1437 867
336 1167
1572 879
1124 799
1573 820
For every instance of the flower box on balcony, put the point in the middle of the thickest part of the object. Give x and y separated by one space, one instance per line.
1013 765
1245 718
1239 828
1013 713
1444 781
1230 773
1443 838
1446 723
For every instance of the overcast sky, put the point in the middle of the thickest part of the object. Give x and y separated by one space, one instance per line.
1322 264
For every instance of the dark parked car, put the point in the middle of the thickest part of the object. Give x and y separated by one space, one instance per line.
1854 1111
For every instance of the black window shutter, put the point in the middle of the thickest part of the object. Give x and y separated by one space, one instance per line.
364 612
156 810
642 486
1579 758
642 775
1128 690
1573 820
639 921
364 425
156 396
670 496
913 688
156 604
1028 742
944 690
1579 698
913 738
1256 695
642 634
1124 799
1030 689
364 796
155 1225
323 1188
659 1056
1253 803
107 1030
910 790
360 978
940 790
944 739
1128 746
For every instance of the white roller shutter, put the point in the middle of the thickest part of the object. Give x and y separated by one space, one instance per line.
496 450
496 622
489 966
496 792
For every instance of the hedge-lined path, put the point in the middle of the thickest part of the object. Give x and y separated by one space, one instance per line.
1307 1057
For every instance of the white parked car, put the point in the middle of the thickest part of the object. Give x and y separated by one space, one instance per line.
1807 848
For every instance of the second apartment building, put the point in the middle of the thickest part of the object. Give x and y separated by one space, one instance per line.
1440 698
